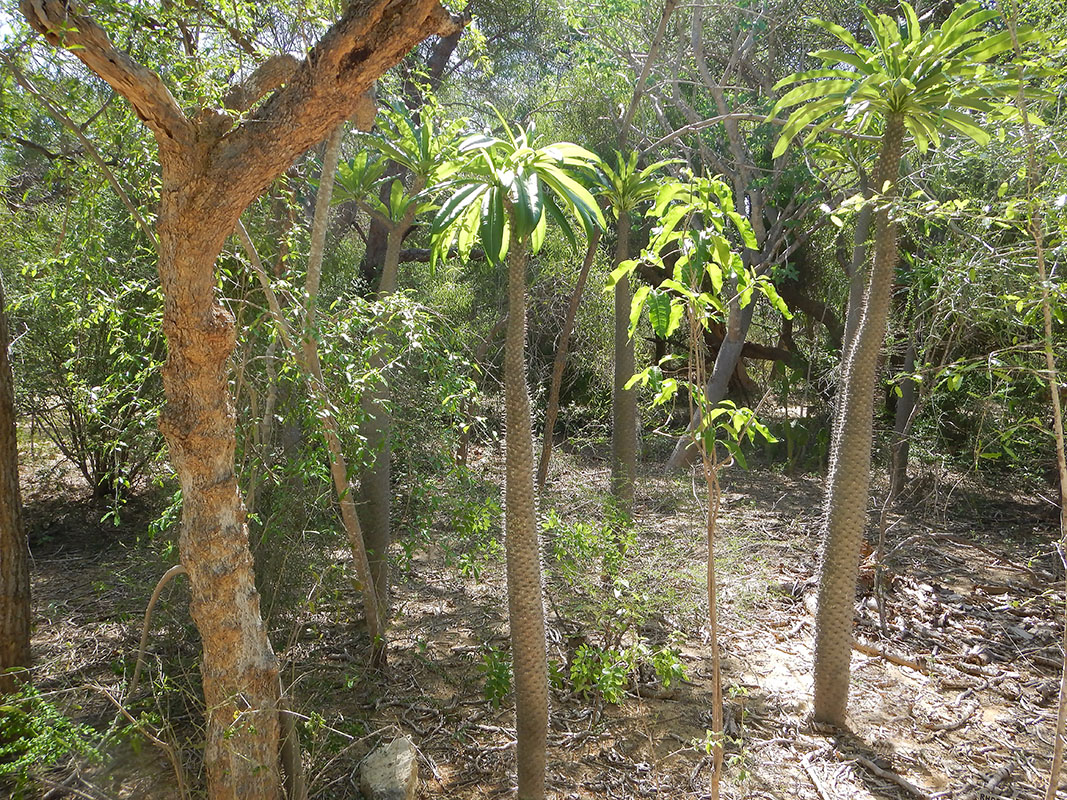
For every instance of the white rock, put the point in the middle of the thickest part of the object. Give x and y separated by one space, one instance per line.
390 772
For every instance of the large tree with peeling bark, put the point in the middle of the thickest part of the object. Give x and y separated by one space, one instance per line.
213 165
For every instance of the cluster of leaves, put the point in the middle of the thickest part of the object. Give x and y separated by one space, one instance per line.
508 188
594 672
697 222
35 735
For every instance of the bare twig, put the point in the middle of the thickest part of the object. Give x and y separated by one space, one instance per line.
168 576
90 148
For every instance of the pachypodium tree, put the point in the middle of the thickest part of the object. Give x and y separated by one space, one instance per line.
624 187
504 195
426 152
698 224
909 83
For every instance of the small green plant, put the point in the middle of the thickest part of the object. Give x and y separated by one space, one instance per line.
706 745
614 675
35 735
557 676
475 526
602 671
739 761
668 666
585 669
496 667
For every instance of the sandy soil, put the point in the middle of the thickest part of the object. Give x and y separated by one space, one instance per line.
953 695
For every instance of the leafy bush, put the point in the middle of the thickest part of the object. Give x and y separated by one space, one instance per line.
89 373
35 735
496 667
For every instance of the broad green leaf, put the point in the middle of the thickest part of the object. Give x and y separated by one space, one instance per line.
637 304
659 313
492 229
677 313
455 206
625 269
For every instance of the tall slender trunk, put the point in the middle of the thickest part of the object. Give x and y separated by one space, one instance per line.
526 612
1037 231
858 274
239 669
14 556
467 408
850 461
560 362
624 401
737 325
374 499
330 429
901 449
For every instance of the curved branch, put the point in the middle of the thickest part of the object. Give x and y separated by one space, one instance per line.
90 148
62 26
325 89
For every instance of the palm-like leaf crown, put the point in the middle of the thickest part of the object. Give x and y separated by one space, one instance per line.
427 151
928 77
507 188
625 186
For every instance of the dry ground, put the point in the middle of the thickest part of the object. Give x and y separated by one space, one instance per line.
955 700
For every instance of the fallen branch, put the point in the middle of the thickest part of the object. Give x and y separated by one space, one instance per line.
819 788
871 650
888 775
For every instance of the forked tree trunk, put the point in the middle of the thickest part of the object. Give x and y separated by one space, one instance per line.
14 561
560 362
526 612
213 166
624 401
850 461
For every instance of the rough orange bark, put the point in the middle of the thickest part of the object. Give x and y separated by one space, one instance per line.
211 170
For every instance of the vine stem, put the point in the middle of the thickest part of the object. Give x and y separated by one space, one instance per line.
1036 225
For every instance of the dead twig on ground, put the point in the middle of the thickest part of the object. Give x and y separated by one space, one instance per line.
878 652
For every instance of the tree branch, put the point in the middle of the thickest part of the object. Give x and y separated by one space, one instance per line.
268 76
742 116
90 148
62 26
369 38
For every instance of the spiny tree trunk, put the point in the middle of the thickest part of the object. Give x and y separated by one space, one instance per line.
560 362
14 561
624 401
850 461
211 171
526 613
374 499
